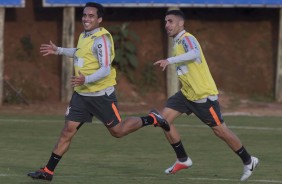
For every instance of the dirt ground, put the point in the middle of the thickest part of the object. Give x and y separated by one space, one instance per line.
230 105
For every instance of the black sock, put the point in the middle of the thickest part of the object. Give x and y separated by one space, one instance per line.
147 120
53 161
244 155
180 151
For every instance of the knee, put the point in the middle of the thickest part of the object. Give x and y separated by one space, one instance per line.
117 134
117 131
68 132
219 133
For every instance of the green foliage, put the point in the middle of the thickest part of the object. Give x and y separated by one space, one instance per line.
125 49
27 44
13 95
149 77
25 51
261 98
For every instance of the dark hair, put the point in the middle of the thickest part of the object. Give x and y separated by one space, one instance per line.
99 7
178 13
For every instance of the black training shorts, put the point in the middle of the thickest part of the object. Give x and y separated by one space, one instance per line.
83 108
208 112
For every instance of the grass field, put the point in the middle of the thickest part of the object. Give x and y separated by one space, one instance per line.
96 157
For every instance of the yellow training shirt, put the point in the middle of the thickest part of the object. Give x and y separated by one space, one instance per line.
195 77
87 63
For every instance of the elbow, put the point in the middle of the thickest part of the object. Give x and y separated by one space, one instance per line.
107 72
197 53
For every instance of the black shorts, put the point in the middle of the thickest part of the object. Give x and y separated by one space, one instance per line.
208 112
82 109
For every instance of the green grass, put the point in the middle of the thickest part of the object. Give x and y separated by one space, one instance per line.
96 157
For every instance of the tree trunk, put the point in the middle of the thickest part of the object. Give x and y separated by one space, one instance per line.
2 20
67 63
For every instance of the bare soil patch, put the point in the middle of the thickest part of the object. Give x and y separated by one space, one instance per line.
230 105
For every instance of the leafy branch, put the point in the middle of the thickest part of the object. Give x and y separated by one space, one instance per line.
125 49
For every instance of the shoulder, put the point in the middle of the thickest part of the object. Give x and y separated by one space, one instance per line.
102 42
189 42
188 37
102 39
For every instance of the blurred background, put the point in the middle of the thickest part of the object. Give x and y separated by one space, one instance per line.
240 43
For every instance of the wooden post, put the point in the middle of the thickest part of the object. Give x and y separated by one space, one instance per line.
2 20
172 81
278 84
67 63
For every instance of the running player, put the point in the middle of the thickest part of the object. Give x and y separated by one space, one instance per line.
198 95
94 92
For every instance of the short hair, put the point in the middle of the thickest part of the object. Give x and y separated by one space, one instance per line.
100 8
178 13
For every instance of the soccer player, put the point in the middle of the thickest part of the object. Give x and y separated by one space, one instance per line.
198 95
94 92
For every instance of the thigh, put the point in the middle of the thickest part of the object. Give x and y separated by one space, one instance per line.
208 112
70 128
178 102
77 110
105 109
170 114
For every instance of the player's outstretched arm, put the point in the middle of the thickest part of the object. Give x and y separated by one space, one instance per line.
162 63
47 49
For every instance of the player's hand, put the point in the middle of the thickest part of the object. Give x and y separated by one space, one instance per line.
47 49
78 80
162 63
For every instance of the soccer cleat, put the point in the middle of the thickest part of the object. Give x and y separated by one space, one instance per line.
159 120
41 174
177 166
248 169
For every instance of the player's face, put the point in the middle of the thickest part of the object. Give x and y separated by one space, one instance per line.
90 19
173 25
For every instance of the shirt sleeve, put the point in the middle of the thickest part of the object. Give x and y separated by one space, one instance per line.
192 51
69 52
102 51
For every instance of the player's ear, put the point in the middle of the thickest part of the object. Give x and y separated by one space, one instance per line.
100 20
181 23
